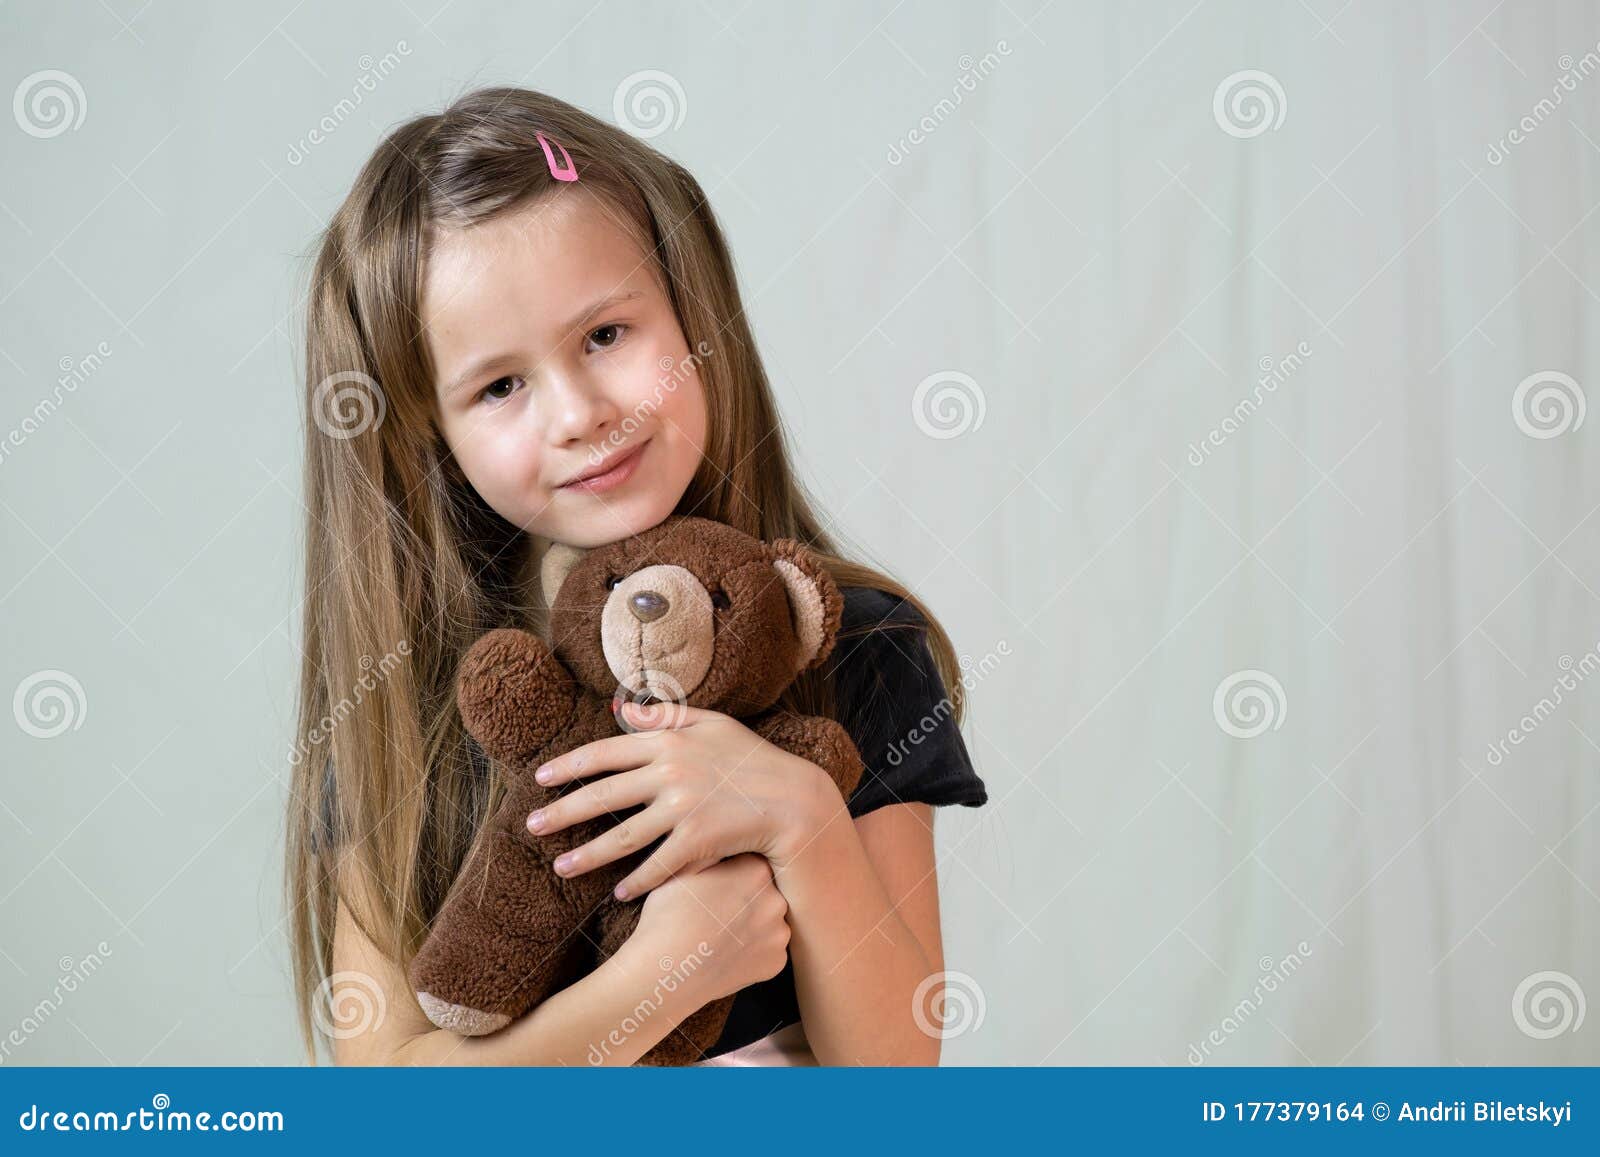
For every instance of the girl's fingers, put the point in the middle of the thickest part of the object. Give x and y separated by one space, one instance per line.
664 716
616 792
667 861
614 753
630 835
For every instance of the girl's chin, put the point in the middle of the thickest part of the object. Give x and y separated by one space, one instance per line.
618 518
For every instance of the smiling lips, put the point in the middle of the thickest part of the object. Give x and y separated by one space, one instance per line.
608 477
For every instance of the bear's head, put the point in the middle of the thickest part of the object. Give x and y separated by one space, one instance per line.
691 611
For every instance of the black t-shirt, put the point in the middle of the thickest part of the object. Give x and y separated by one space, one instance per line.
894 705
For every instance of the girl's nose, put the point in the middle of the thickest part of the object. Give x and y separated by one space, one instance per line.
579 412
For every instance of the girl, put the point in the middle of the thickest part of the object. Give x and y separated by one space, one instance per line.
524 329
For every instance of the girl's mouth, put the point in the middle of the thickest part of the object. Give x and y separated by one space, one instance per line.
619 472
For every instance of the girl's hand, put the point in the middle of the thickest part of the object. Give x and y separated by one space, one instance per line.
730 919
717 786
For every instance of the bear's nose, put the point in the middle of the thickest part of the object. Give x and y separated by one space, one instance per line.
648 606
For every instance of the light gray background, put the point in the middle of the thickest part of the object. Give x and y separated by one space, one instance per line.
1079 236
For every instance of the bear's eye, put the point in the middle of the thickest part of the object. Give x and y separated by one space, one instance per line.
720 600
612 581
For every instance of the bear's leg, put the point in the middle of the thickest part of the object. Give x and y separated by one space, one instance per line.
491 956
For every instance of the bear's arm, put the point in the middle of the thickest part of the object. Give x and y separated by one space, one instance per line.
821 741
514 694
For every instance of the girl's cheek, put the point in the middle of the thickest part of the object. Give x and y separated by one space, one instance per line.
513 460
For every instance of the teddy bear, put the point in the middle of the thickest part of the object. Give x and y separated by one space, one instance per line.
692 612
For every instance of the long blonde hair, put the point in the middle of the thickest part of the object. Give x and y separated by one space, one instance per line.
405 566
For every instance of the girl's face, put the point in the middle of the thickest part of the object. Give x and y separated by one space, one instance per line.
559 358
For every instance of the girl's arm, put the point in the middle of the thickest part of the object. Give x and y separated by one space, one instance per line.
864 934
612 1016
568 1028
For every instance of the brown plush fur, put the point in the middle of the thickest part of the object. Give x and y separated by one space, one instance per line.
743 618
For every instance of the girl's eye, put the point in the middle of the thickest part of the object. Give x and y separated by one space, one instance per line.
500 389
612 336
720 600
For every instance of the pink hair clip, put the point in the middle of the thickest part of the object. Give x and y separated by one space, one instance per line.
567 173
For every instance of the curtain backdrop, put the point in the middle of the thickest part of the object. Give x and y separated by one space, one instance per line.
1216 371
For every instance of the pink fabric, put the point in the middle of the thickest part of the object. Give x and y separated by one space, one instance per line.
787 1046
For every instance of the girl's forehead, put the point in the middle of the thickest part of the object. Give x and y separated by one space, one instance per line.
563 233
533 262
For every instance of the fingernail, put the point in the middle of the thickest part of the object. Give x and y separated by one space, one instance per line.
622 891
563 862
536 820
543 774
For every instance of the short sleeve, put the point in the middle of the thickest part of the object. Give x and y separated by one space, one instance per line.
896 707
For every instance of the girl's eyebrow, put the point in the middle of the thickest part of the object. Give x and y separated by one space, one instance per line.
495 361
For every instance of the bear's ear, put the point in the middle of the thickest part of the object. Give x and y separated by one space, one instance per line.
815 604
554 566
